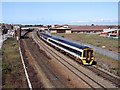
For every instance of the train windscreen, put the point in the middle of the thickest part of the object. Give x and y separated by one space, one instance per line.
88 54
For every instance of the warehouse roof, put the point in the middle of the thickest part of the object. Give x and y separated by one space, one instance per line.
87 27
54 28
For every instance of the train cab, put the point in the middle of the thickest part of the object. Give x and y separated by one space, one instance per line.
88 56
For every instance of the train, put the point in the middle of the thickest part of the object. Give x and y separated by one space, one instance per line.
82 54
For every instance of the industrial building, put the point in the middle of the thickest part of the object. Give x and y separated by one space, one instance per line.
80 28
87 28
111 32
59 30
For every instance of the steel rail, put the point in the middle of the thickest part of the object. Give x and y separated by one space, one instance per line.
73 67
103 74
109 77
50 74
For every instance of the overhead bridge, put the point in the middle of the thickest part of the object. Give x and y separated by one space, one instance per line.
24 31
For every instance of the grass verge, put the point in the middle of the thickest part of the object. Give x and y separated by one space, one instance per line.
13 75
107 63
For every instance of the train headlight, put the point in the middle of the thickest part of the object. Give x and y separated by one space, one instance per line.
91 61
84 61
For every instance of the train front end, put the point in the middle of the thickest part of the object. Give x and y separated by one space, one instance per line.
88 56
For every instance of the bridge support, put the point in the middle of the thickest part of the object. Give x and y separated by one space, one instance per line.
20 33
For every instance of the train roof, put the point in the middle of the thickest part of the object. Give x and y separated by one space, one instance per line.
45 34
70 43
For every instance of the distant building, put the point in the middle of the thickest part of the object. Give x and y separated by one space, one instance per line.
110 32
11 33
80 28
87 28
112 26
16 27
59 30
9 26
0 30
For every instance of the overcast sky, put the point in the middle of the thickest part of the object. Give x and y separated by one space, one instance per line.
80 13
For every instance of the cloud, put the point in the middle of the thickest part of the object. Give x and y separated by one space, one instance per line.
104 20
79 21
100 21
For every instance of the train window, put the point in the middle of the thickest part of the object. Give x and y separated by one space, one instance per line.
79 53
87 52
68 48
91 53
84 53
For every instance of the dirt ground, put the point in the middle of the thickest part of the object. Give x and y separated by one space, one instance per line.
108 64
32 73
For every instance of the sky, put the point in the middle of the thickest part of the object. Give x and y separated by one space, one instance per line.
50 13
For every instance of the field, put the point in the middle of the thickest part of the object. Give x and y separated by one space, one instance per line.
93 39
106 63
13 75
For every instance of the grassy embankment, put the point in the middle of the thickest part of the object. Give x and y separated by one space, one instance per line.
110 44
13 75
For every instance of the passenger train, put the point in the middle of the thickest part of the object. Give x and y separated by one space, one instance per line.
82 54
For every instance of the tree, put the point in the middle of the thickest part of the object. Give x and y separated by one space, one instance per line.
92 25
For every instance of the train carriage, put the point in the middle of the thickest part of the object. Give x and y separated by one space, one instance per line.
82 54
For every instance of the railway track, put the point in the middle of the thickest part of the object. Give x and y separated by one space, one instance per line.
89 81
114 80
51 75
103 74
